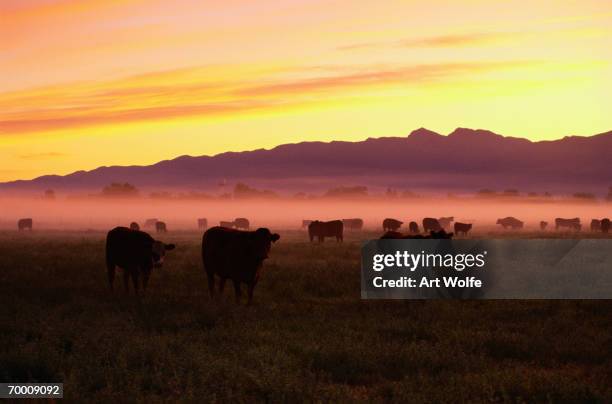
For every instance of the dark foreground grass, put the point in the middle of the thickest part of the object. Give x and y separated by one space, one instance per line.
308 336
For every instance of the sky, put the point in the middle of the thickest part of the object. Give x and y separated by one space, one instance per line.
85 84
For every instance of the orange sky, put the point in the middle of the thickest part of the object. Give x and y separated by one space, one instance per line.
104 82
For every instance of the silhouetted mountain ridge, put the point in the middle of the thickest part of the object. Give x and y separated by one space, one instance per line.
464 160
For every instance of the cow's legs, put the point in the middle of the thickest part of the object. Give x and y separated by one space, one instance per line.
126 279
111 274
222 285
211 284
135 280
250 292
145 279
238 291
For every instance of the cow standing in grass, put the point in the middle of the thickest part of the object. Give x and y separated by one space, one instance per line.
391 224
25 224
160 227
431 224
136 252
235 255
320 230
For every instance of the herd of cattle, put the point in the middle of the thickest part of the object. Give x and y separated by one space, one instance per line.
231 251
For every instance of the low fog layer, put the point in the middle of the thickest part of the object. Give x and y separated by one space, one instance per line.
283 214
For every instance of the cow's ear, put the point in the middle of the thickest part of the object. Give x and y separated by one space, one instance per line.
169 246
274 237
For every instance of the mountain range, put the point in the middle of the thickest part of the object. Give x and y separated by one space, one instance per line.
464 160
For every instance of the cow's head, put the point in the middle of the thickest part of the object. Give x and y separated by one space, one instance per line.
159 252
499 221
262 242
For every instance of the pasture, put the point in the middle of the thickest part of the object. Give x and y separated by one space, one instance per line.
308 336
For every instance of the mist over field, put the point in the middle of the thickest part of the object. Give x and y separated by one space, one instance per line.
101 214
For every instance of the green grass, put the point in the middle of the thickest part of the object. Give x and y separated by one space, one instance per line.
308 336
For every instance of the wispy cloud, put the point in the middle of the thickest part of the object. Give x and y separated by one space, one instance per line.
41 156
185 94
440 41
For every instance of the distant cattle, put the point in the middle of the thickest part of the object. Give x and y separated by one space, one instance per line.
394 235
462 228
573 224
23 224
227 225
595 225
134 226
445 222
320 230
605 225
543 225
305 223
202 223
430 223
510 222
242 223
150 223
235 255
136 253
413 227
353 224
391 224
160 227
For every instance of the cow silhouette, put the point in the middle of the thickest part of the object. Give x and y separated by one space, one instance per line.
413 227
431 224
25 224
160 227
320 230
391 224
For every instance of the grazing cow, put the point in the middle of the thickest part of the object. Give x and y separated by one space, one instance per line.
391 224
605 225
134 226
595 225
150 223
430 223
462 228
394 235
23 224
227 225
511 222
573 224
235 255
353 224
136 253
242 223
445 222
413 227
202 223
320 230
160 227
306 223
543 225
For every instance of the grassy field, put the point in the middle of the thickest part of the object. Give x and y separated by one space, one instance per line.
308 336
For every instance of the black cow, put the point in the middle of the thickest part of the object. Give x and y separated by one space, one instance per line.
391 224
511 222
134 226
320 230
202 223
235 255
394 235
242 223
431 224
353 224
160 227
413 227
150 223
136 253
573 224
595 225
23 224
543 225
605 225
445 222
462 228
